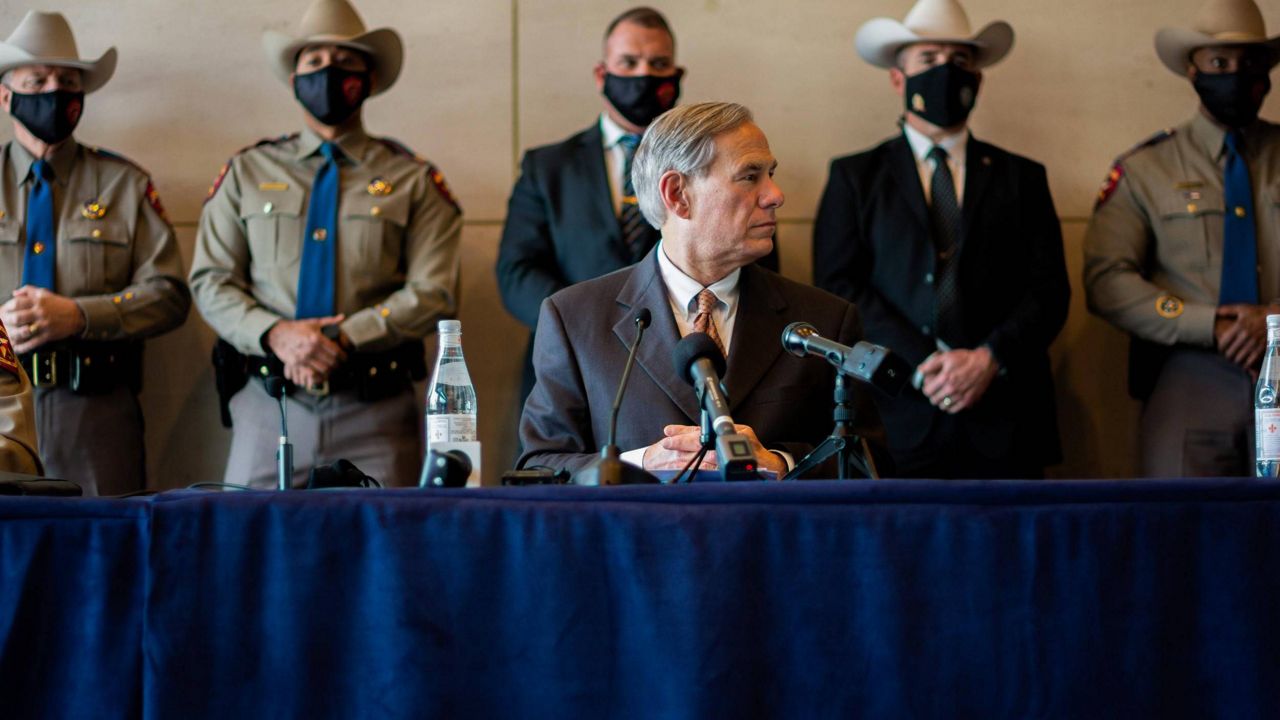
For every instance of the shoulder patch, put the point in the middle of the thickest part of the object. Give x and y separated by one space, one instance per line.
8 361
226 166
437 179
1116 173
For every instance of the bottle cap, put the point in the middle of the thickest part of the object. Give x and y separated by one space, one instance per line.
1273 321
455 326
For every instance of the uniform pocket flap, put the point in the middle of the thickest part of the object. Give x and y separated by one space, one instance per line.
260 202
106 230
1190 202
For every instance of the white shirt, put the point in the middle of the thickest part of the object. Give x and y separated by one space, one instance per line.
615 159
955 144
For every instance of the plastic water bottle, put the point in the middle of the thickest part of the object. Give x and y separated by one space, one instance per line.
451 398
1266 409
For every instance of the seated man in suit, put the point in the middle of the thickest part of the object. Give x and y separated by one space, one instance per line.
952 250
17 414
704 177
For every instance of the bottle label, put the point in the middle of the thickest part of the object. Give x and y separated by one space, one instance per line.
451 428
452 373
1268 429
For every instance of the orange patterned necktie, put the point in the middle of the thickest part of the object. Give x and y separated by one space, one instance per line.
703 323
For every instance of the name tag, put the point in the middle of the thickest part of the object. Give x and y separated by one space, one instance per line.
273 186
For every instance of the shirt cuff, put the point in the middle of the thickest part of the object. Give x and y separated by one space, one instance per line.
634 457
787 459
102 319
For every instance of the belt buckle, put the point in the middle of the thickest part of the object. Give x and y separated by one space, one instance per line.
321 390
39 376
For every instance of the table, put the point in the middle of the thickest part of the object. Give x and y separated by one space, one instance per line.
820 599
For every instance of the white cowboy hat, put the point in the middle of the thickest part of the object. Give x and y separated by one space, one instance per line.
936 21
335 22
1220 22
45 39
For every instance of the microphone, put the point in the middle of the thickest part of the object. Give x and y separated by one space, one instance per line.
284 454
865 362
446 468
609 469
698 360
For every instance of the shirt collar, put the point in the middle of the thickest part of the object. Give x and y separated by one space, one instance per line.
62 160
353 144
611 131
682 289
955 144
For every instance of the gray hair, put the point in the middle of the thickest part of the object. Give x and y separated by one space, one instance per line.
681 140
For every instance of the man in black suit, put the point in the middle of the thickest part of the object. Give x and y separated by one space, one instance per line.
952 250
704 176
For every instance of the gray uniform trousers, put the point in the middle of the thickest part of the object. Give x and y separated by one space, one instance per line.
1198 421
95 441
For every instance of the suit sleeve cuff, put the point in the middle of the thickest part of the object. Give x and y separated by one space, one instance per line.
101 317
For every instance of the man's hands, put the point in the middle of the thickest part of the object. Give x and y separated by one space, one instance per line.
36 316
308 355
1241 332
956 379
681 442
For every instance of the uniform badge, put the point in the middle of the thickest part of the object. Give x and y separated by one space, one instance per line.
8 361
1109 185
94 210
379 186
1169 306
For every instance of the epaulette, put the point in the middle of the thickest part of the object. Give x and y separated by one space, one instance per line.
153 197
1116 174
222 172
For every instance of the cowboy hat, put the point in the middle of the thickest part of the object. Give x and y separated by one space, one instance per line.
1220 22
933 21
45 39
335 22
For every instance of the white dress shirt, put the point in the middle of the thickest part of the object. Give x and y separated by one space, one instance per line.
955 145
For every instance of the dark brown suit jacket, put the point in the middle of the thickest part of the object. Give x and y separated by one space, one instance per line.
583 335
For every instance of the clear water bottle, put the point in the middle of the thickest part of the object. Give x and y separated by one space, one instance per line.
1266 409
451 398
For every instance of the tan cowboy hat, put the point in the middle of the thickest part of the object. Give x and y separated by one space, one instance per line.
937 21
1220 22
335 22
45 39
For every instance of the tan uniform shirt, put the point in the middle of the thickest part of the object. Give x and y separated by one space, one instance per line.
1153 250
397 254
17 415
122 268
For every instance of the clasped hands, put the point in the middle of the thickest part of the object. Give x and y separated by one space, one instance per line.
956 380
36 316
308 356
681 442
1240 332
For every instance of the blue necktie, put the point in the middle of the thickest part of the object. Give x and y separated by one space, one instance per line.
319 243
39 262
1239 235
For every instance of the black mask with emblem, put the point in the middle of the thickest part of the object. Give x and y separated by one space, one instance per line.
643 98
944 95
50 116
1233 99
332 94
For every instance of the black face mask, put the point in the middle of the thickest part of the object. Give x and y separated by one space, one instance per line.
642 99
332 94
50 116
943 95
1233 98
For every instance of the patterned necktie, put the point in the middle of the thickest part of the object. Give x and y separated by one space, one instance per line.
316 277
635 229
1239 235
944 218
703 322
39 262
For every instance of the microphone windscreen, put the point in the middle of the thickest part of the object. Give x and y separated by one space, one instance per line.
447 468
696 346
643 318
275 386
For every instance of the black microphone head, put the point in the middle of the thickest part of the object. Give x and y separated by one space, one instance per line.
446 468
275 386
793 337
696 346
643 318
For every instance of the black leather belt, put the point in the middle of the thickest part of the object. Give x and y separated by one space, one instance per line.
374 376
87 368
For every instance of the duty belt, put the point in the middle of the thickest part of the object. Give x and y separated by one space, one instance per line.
374 376
85 367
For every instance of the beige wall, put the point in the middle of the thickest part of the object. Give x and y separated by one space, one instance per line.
486 78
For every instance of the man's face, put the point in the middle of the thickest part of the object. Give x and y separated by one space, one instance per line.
633 50
733 206
34 79
319 57
1228 59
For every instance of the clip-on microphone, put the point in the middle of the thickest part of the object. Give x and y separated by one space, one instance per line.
609 469
284 454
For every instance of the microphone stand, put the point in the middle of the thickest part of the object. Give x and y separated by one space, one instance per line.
608 468
284 455
708 440
851 450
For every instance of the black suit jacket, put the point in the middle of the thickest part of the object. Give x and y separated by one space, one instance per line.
583 336
872 246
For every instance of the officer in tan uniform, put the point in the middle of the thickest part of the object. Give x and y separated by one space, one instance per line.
17 414
1183 251
325 257
88 263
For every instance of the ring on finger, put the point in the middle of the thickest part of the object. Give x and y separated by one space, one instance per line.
947 402
32 329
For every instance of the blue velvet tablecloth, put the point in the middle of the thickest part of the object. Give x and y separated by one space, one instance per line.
853 599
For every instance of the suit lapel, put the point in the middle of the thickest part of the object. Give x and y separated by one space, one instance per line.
905 172
977 177
757 333
594 171
644 288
